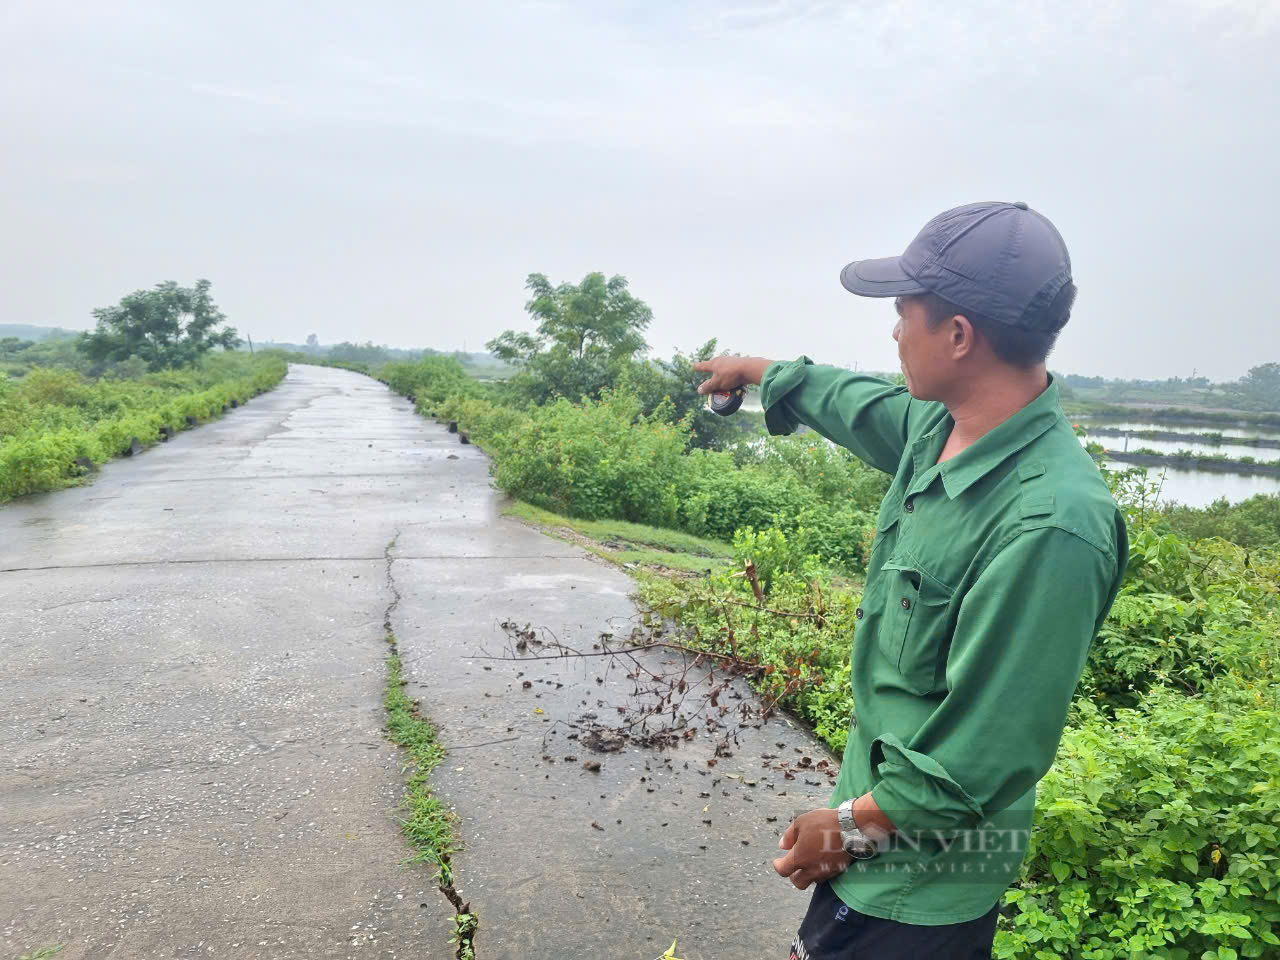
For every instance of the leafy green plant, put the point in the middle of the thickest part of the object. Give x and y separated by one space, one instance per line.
1251 523
51 418
1156 836
801 638
464 928
773 551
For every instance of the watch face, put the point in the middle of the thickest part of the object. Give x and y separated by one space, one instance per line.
860 848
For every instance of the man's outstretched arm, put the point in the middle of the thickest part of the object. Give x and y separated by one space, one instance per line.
864 414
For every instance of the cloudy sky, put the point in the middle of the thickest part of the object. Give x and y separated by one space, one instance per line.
392 170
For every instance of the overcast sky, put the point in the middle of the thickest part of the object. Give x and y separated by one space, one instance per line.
391 171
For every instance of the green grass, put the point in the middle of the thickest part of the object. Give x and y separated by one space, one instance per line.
41 954
624 542
676 561
427 825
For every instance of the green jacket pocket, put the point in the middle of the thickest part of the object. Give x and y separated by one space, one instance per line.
913 629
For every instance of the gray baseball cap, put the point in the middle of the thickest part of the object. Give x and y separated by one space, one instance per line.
1003 261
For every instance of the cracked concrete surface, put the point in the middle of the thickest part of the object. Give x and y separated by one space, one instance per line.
191 714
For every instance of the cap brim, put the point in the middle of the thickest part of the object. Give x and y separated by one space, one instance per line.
879 278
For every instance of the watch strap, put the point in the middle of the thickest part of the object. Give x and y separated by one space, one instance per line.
844 813
849 831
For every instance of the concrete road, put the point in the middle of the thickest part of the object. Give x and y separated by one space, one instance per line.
190 714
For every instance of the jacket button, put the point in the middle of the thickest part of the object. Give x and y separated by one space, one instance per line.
908 506
858 613
906 604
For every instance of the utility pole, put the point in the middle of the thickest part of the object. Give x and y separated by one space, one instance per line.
250 344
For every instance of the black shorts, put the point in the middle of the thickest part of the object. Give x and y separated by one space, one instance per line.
833 931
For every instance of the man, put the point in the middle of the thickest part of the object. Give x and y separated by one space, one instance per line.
998 551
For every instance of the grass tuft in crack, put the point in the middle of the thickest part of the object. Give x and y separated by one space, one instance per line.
428 824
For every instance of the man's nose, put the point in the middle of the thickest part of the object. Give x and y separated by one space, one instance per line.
897 329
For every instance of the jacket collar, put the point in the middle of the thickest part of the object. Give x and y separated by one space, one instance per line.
993 448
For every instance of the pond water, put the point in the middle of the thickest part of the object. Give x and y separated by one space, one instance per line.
1195 488
1227 431
1199 488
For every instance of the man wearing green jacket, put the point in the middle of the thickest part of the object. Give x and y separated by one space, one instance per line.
998 551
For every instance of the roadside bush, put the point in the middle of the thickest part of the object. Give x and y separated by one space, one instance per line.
1251 523
802 642
429 380
605 458
772 551
489 423
1156 836
717 498
1186 617
49 418
833 474
595 460
840 536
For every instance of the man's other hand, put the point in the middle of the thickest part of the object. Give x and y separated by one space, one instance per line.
728 373
814 851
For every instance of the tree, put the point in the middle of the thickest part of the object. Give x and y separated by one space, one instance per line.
1260 387
313 342
359 353
168 327
586 335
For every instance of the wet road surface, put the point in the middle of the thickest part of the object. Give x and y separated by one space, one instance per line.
191 714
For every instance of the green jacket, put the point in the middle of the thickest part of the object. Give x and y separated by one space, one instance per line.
989 577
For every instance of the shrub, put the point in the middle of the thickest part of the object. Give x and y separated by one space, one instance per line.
1251 523
606 459
51 417
772 551
430 379
1186 616
1156 836
596 460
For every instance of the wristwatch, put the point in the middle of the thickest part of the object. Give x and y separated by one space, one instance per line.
855 843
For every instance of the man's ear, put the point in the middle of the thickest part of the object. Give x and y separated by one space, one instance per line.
963 337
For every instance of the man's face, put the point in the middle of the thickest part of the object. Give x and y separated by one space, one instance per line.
926 355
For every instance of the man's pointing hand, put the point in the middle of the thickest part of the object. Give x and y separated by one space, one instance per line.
730 372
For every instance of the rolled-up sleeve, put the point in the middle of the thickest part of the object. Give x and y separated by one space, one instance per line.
1021 638
865 414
